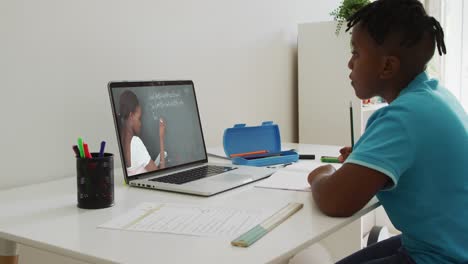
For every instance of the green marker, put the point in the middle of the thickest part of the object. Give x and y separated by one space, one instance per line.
329 159
80 147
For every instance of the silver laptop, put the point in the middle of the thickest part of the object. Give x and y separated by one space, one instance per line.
161 140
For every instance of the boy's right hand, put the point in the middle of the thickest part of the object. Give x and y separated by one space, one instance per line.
344 153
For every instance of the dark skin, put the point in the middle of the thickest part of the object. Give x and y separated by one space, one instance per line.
375 70
133 127
8 259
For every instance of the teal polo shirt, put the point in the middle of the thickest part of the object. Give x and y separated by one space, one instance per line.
420 141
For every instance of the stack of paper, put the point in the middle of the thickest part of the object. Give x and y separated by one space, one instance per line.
292 177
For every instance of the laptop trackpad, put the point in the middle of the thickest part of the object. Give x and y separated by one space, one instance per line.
231 178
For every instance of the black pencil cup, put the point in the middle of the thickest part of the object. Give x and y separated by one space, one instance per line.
95 181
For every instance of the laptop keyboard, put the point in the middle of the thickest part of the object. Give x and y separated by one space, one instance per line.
193 174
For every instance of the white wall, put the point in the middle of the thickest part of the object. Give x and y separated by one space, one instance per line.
56 57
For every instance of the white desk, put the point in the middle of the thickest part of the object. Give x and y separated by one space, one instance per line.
45 216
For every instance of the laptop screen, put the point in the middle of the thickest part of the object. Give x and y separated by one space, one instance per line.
158 125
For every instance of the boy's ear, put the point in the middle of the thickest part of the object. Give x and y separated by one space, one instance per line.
391 66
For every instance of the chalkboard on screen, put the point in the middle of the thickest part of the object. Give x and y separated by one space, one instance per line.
176 106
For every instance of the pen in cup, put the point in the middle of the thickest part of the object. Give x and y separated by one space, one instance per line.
80 147
86 151
101 150
76 150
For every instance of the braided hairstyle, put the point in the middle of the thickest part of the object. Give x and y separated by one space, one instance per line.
404 17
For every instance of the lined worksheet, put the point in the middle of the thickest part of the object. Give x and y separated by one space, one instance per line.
292 177
188 219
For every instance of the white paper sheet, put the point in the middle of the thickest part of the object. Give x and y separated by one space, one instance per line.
188 220
292 177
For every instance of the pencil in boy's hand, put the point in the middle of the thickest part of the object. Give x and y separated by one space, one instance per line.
351 121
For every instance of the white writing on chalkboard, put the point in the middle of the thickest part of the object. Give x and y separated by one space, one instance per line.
160 101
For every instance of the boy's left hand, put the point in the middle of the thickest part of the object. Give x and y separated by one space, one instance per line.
325 170
345 152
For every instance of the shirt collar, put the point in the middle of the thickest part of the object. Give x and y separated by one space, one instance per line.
416 82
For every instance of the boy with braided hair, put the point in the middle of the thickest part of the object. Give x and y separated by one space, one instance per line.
414 153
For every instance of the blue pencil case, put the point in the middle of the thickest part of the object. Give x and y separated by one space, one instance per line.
256 145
